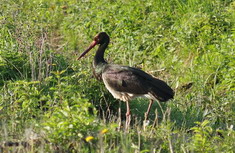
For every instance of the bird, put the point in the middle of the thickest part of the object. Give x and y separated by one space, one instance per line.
126 83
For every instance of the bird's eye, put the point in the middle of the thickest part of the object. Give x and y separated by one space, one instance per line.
96 38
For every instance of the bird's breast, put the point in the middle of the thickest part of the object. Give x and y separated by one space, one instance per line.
97 70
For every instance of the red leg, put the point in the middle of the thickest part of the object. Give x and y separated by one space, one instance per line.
128 115
147 113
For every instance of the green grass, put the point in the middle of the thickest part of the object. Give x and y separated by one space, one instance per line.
50 102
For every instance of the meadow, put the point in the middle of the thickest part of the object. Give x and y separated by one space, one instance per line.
50 102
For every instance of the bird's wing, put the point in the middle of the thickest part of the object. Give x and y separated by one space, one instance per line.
124 79
135 81
158 88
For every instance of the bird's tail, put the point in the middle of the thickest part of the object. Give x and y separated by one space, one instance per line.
160 90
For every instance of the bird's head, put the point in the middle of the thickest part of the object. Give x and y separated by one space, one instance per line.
100 38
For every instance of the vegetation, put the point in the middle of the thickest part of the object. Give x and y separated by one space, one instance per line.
49 101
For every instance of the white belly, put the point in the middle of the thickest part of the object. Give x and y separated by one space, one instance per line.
125 96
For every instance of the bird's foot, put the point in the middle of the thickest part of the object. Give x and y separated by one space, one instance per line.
145 124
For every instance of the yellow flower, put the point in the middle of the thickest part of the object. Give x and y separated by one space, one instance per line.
89 138
104 131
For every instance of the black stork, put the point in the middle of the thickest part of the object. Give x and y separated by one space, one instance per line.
124 82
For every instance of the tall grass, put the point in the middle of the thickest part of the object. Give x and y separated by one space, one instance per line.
50 102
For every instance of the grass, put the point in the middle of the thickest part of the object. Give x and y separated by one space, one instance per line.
51 103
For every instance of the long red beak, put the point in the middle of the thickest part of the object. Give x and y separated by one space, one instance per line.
88 49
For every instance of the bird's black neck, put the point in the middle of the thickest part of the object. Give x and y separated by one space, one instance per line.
99 56
99 62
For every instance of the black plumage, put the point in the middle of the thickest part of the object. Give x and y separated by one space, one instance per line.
135 81
126 83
